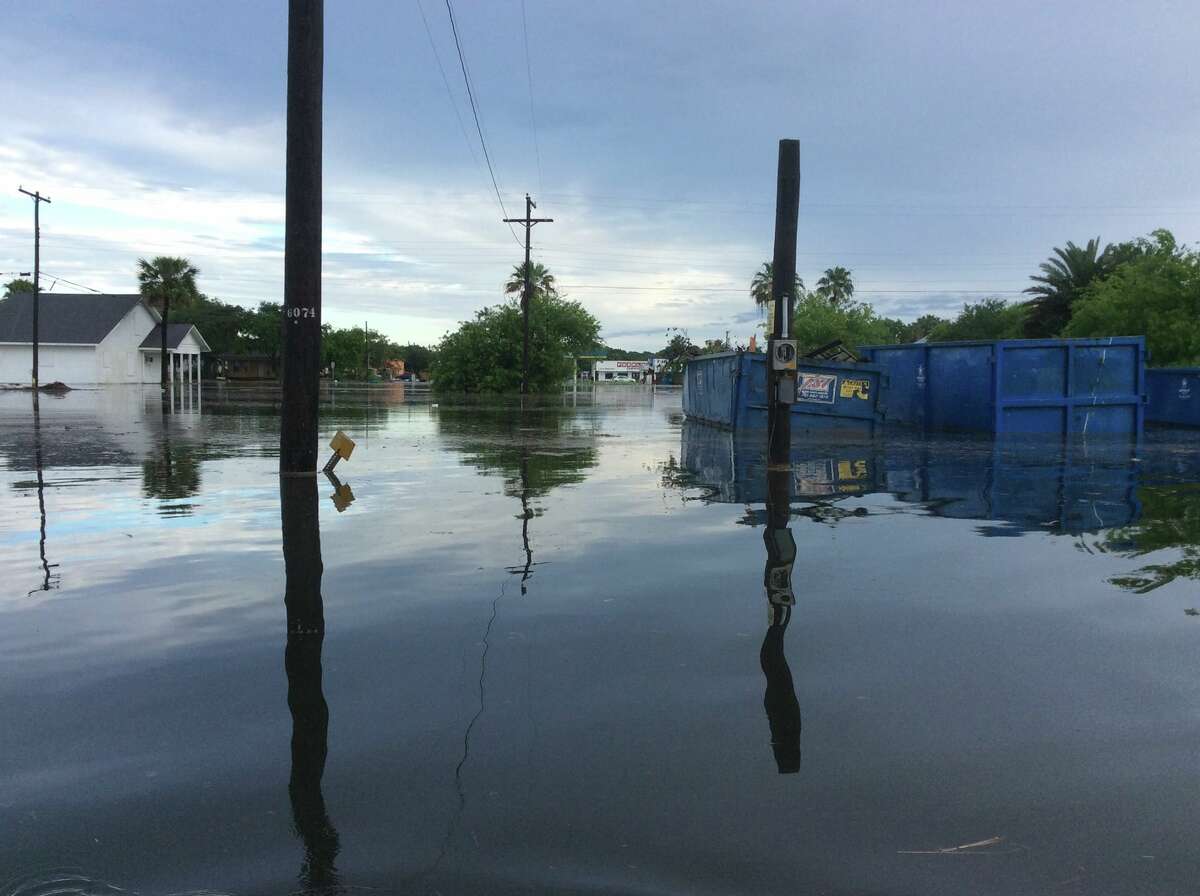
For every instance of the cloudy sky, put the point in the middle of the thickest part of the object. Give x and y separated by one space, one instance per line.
946 147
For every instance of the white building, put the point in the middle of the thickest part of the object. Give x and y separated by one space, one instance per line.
90 339
624 371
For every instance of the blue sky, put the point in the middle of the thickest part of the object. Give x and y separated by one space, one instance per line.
945 148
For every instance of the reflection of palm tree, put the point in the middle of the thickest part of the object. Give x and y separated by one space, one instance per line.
306 697
172 475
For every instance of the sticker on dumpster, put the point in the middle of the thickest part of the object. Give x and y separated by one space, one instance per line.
816 387
856 389
920 376
1185 391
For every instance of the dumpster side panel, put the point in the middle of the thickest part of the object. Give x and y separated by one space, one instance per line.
905 369
1173 396
710 389
959 387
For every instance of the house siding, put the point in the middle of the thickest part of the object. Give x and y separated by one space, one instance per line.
118 359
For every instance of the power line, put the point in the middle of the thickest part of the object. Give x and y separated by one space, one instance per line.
99 292
529 80
475 112
445 80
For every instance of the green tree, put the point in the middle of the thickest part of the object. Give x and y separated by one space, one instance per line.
818 322
484 354
989 319
677 351
17 286
836 286
761 285
541 281
262 332
1156 294
919 328
219 323
1063 278
417 358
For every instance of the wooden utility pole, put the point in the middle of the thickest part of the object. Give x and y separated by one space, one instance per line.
528 221
38 199
781 384
299 415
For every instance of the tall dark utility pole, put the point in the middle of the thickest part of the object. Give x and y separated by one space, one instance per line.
37 266
781 381
302 241
528 221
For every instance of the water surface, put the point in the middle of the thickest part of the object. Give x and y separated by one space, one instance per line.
517 651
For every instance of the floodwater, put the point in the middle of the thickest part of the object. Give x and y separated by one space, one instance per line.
533 652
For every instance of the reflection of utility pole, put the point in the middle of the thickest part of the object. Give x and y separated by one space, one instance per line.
528 221
306 698
526 513
41 493
38 199
783 709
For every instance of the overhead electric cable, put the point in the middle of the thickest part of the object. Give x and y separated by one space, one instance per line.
537 153
475 113
445 80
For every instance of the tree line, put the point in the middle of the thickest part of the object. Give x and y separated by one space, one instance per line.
1144 287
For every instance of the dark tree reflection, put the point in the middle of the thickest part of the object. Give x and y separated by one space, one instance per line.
306 698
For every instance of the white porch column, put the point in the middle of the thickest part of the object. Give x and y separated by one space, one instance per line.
170 368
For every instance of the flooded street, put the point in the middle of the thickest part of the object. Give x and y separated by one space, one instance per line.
519 651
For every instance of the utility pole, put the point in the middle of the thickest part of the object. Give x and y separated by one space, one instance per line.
37 266
299 410
528 221
781 352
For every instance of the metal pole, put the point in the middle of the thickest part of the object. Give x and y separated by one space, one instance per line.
299 415
783 291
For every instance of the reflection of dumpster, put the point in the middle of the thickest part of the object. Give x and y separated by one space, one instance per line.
1042 485
1173 395
729 389
1027 386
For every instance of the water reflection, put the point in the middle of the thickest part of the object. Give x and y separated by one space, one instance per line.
1170 521
303 570
50 580
1013 488
171 475
779 700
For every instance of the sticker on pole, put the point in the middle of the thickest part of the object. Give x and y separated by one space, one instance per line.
817 388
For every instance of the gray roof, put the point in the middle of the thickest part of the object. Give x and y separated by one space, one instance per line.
175 334
72 318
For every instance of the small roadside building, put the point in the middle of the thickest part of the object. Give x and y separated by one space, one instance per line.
89 339
625 371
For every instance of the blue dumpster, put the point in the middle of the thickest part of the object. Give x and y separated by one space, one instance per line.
729 389
1019 386
1173 395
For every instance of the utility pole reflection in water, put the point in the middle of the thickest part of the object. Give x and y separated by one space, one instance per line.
783 709
49 579
302 661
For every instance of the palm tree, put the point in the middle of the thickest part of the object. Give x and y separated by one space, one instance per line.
541 281
161 281
763 283
836 287
1062 279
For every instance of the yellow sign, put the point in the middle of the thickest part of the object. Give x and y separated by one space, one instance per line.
848 469
342 445
856 389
